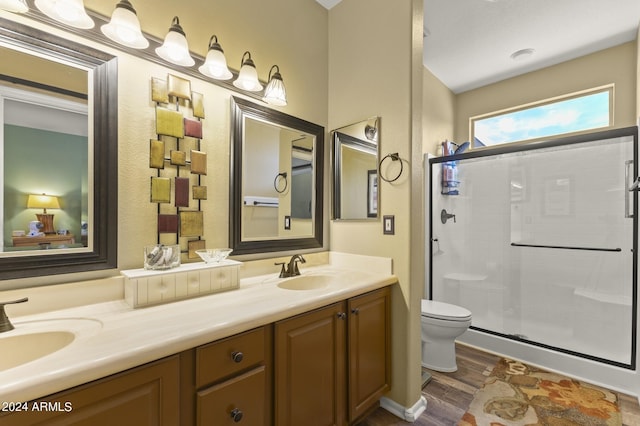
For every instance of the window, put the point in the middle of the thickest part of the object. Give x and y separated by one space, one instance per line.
573 113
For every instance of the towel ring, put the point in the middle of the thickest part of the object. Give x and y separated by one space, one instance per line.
394 157
280 177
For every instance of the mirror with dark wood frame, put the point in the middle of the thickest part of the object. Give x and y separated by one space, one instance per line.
97 248
276 180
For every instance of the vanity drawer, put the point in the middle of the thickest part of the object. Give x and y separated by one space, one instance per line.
239 399
229 356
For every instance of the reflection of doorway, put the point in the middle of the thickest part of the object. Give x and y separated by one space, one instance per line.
372 193
44 142
301 182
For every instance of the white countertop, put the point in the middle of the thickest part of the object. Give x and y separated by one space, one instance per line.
112 336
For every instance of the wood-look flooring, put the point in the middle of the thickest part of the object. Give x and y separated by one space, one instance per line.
449 394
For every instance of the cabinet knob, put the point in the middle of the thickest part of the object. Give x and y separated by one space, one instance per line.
355 311
237 356
236 415
342 315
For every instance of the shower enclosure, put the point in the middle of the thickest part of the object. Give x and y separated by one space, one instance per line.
539 243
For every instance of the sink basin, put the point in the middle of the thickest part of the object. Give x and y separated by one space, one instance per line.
306 282
20 349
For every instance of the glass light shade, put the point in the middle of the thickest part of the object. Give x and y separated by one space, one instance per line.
215 64
68 12
42 201
175 48
124 27
275 93
16 6
248 76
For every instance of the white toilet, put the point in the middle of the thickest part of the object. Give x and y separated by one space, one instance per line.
442 323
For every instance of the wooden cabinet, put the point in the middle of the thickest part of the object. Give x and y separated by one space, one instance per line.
146 395
310 368
53 240
233 380
332 365
329 366
369 349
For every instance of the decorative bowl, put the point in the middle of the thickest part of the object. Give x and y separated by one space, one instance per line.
215 255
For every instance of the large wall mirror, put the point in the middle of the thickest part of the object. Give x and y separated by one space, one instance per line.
355 171
276 180
58 155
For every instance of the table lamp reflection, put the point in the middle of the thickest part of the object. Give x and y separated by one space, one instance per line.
43 201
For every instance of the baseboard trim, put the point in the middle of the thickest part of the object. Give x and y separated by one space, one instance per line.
409 414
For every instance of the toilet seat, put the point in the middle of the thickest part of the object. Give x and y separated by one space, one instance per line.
444 311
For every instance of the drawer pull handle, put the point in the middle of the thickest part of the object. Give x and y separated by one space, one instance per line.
237 357
342 315
355 311
236 415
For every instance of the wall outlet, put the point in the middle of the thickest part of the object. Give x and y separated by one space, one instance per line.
287 222
389 225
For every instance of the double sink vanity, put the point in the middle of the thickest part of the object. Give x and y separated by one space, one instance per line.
197 346
273 351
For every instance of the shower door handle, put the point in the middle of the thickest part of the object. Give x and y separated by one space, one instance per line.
630 188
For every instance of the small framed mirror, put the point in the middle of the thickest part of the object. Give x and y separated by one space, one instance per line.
276 180
355 171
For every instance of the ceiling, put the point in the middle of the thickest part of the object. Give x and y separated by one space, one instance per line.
469 43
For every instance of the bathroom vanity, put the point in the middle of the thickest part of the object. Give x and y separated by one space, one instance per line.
275 351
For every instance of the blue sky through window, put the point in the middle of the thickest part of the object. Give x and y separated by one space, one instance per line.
567 116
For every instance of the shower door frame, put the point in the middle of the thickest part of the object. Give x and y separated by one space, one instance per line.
532 146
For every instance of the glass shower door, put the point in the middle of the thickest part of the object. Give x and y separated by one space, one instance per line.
542 246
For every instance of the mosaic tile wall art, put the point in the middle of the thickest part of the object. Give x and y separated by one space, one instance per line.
176 156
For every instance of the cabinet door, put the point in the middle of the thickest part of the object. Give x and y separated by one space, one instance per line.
147 395
369 350
240 399
310 368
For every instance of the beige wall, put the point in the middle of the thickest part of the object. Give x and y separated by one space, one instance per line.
638 76
272 32
615 65
374 57
438 113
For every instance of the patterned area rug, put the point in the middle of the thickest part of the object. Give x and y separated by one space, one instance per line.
516 394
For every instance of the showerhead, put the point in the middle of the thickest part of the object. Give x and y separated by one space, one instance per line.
461 148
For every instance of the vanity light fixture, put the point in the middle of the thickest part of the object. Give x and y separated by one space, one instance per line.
68 12
215 64
124 27
44 201
175 48
16 6
275 93
248 76
123 31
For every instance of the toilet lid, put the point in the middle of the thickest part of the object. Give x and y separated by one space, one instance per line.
446 311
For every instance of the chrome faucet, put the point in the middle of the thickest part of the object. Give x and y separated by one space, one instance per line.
5 324
291 269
